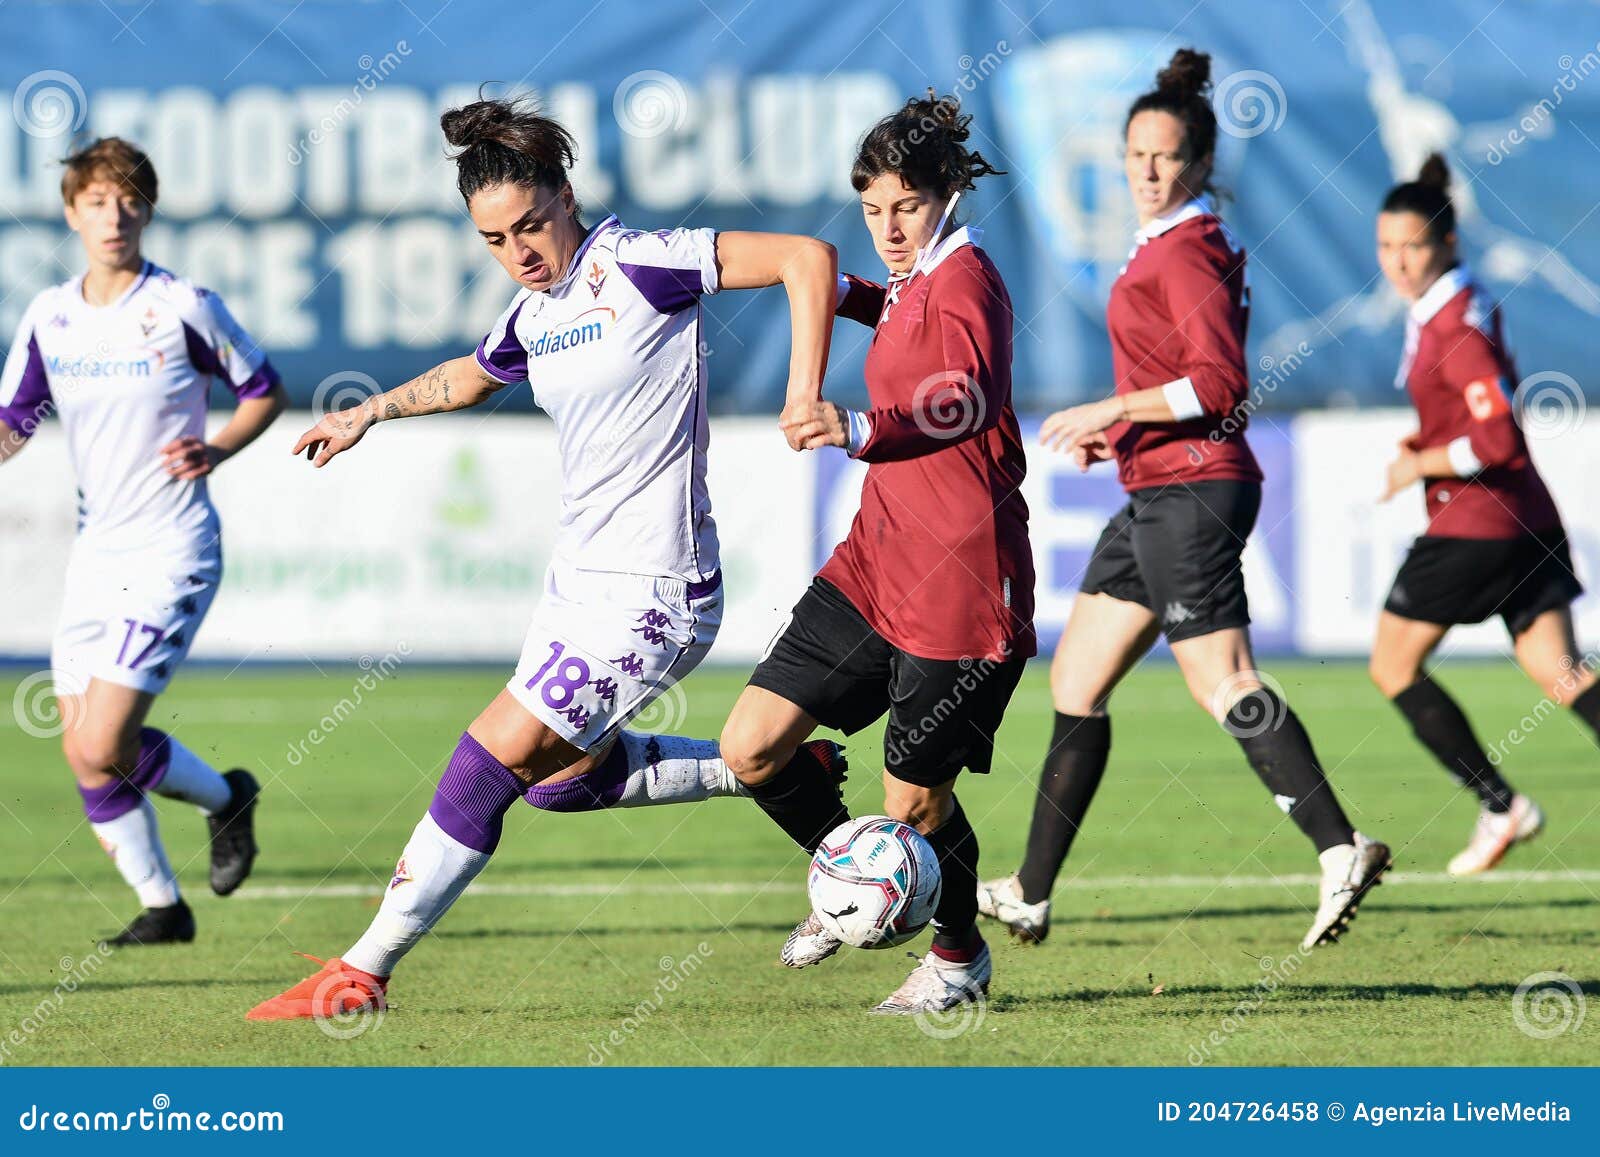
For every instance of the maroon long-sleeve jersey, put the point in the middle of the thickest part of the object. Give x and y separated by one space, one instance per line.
1461 380
938 559
1177 319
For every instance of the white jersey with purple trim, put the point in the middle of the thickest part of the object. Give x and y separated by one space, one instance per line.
126 379
612 352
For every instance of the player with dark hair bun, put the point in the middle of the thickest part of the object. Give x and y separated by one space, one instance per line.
1494 544
1169 561
925 610
605 328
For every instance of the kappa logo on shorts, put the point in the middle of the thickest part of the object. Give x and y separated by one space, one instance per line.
630 665
1176 613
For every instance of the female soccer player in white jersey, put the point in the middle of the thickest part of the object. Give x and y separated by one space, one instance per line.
606 331
126 354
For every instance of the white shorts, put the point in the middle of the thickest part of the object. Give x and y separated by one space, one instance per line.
603 646
129 617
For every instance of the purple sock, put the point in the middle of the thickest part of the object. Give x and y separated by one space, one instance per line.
471 802
592 791
123 793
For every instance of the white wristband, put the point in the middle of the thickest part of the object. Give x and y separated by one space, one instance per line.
859 433
1182 399
1462 460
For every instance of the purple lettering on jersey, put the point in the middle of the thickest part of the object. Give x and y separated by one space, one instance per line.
667 290
32 403
630 665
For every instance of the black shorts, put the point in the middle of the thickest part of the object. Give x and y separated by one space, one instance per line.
943 713
1175 550
1465 580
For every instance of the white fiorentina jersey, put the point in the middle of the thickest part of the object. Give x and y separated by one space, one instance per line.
612 352
126 379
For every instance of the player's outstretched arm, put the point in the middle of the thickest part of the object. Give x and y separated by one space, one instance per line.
808 270
11 442
453 385
187 458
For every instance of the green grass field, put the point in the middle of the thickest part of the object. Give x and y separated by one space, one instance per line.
651 937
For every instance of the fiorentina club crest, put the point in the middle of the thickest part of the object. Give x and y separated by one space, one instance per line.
596 278
149 321
402 875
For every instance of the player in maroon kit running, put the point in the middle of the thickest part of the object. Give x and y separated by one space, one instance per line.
925 611
1169 560
1494 543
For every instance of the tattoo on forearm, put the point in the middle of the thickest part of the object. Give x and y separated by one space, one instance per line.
392 410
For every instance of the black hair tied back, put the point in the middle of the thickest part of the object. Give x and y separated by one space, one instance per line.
925 144
1428 196
499 142
1183 90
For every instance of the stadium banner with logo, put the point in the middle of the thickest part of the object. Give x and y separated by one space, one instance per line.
304 177
435 534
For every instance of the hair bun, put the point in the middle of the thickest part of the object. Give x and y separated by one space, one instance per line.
1435 173
1187 75
479 121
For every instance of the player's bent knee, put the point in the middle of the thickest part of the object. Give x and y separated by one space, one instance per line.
751 757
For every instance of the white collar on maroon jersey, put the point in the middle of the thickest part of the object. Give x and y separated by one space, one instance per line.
953 241
577 258
1450 283
1156 226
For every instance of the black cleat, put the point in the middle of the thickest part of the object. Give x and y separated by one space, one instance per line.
171 925
233 834
831 756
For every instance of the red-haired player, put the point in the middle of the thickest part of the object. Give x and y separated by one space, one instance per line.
1494 543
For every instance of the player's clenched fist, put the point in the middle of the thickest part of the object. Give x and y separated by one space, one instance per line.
811 425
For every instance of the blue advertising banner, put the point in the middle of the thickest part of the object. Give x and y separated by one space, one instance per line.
304 177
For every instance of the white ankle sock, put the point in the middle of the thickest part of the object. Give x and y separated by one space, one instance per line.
432 873
671 769
193 780
134 844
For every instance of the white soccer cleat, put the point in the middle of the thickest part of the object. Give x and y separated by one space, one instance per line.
937 985
1348 872
1495 834
1002 900
810 943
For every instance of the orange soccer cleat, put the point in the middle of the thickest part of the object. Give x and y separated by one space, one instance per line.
337 990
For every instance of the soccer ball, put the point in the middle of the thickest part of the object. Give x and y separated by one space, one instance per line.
874 882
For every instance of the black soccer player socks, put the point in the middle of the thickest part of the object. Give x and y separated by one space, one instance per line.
1073 766
1280 751
803 800
1441 727
955 920
1587 708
